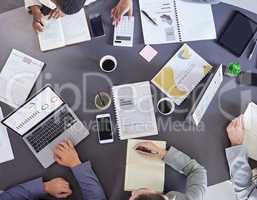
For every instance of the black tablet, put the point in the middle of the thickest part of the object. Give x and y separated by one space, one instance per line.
238 33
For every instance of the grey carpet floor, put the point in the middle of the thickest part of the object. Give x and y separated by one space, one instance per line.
6 5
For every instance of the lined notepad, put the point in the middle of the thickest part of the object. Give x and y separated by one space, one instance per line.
142 171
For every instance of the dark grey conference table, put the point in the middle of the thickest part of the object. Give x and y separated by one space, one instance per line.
73 71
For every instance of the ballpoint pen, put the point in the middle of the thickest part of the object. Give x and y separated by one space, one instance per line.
148 17
253 50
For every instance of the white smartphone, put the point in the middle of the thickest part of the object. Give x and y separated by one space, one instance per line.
104 128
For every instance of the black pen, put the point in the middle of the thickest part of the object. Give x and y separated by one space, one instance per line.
148 17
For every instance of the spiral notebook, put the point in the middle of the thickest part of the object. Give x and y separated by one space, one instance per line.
175 21
134 110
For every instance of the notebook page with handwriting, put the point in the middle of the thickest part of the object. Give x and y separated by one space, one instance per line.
75 28
52 37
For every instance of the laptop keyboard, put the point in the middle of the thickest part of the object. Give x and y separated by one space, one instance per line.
51 129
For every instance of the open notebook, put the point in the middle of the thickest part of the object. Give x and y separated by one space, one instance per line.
176 21
142 171
70 29
250 125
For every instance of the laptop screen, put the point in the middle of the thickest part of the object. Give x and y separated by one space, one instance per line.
33 111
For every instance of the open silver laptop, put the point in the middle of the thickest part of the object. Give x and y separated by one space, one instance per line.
43 122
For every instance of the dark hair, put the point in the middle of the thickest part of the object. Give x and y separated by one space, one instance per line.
70 7
150 197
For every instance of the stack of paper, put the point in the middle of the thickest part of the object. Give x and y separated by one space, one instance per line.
250 5
5 146
250 125
18 78
142 171
221 191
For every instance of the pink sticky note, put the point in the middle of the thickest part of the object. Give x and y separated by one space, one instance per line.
148 53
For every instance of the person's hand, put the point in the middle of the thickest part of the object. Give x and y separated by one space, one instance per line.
149 148
38 19
56 13
58 188
121 9
236 131
66 155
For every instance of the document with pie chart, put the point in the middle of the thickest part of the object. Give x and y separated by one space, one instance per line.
182 73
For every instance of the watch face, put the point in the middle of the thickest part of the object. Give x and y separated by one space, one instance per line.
48 3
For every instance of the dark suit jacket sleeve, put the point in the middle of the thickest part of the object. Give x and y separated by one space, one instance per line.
89 183
31 190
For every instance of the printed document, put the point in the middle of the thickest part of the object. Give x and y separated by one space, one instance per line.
250 125
18 77
134 110
221 191
250 5
5 146
182 73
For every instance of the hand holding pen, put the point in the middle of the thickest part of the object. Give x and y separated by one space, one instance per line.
38 18
150 149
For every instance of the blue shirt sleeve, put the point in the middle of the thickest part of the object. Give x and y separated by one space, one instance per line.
89 183
31 190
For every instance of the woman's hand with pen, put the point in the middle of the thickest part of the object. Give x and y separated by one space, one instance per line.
38 18
150 149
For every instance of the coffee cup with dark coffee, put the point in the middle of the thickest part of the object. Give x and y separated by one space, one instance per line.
166 106
108 63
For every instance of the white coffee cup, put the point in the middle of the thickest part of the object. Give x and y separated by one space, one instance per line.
171 106
108 63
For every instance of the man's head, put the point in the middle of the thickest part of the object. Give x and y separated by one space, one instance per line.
146 194
70 7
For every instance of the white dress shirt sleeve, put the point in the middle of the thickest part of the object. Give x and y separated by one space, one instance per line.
29 3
